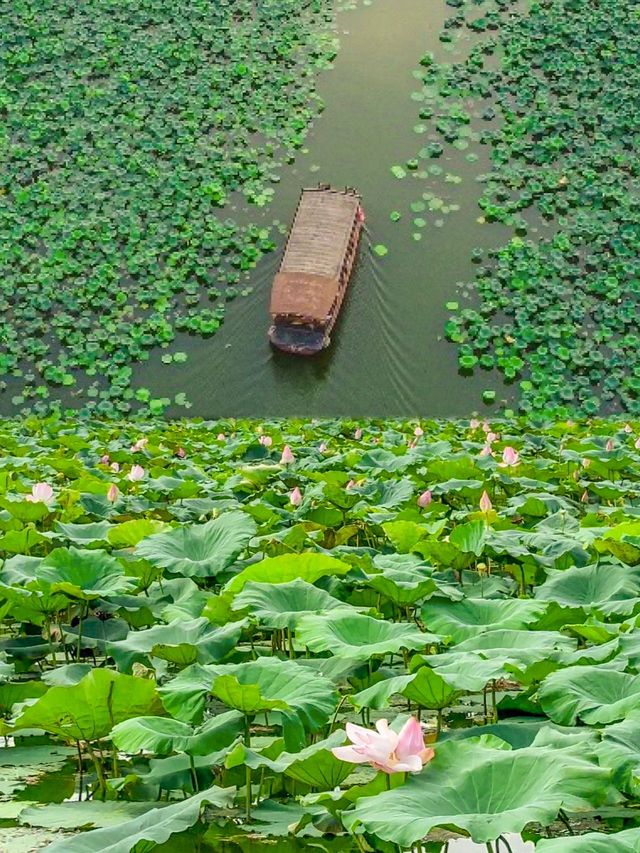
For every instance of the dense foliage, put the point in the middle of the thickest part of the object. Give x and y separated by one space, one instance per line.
129 129
192 612
552 89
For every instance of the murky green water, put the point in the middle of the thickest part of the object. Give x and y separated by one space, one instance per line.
388 356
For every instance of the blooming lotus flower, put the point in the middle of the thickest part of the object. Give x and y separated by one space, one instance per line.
295 497
418 431
136 473
113 494
287 456
41 493
384 749
609 445
221 437
139 445
485 426
486 450
510 456
492 436
474 423
425 499
115 467
104 460
358 434
265 440
485 502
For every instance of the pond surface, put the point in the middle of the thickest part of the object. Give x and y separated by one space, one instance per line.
387 356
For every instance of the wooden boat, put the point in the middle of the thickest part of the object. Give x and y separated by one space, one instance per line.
309 288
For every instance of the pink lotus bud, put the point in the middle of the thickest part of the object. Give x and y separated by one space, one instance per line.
322 448
139 445
287 456
584 497
474 423
609 445
485 426
412 444
136 473
115 467
181 453
265 440
104 460
418 432
492 436
351 484
425 499
358 434
113 494
486 450
221 437
510 456
41 493
627 428
637 444
295 497
485 502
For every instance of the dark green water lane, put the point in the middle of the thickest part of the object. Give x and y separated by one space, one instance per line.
387 356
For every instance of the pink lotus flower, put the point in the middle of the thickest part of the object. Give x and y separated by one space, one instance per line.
358 434
295 497
136 473
104 460
265 440
113 494
425 499
609 445
485 426
637 444
41 493
181 453
584 497
384 749
350 485
474 423
115 467
322 448
221 437
492 436
287 456
139 445
418 431
510 456
485 502
486 450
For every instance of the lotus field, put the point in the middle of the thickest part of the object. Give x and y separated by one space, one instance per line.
324 635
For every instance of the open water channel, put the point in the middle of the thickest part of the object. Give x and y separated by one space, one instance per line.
388 356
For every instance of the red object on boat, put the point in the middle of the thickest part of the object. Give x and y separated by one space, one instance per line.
308 290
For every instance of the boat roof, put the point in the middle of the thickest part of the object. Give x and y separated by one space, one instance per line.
308 280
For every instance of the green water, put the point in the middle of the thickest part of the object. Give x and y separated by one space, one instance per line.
387 356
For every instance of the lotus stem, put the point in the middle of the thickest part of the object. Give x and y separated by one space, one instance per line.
80 770
194 775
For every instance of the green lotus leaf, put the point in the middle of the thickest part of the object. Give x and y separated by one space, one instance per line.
164 735
484 791
84 815
608 588
593 694
627 841
182 642
200 550
403 587
84 534
308 567
153 827
129 533
282 605
89 709
83 574
358 637
462 620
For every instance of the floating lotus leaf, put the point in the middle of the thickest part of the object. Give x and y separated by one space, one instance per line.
281 605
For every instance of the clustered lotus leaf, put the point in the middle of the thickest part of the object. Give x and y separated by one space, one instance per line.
200 631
